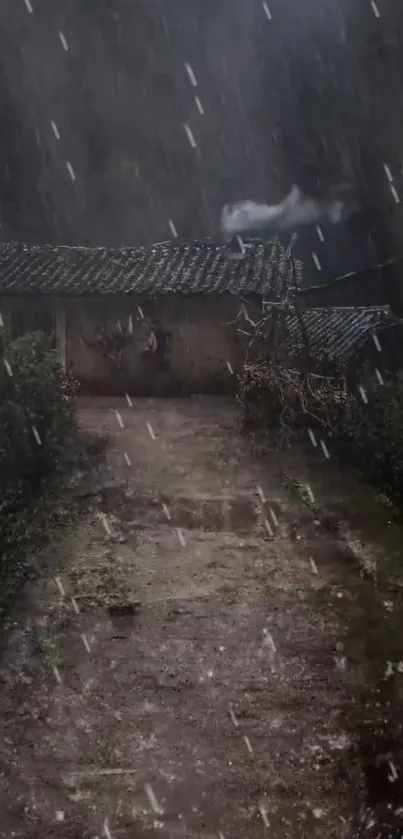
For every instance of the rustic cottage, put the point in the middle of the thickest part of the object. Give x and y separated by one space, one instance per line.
161 320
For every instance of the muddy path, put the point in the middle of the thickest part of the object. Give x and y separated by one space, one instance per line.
207 651
364 535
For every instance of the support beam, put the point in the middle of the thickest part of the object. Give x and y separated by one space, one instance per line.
61 334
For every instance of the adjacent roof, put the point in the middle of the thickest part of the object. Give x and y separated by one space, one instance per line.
192 268
335 333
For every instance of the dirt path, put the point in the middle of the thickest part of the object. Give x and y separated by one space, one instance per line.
180 669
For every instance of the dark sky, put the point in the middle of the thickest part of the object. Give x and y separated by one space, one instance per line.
313 95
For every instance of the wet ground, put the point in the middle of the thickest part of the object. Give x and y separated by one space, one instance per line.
212 648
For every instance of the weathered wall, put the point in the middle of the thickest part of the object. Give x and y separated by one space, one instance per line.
169 345
166 345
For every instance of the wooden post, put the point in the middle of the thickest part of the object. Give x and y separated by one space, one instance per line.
61 334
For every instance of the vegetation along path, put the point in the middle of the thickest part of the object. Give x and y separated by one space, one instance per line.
210 649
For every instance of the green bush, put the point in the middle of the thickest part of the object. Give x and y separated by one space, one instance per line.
372 433
37 417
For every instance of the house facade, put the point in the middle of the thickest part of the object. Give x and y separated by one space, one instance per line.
163 320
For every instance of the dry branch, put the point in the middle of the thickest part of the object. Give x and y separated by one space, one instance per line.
277 387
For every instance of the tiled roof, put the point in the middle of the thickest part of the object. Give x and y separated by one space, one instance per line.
191 268
334 333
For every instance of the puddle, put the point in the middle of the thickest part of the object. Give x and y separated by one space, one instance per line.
241 516
215 515
123 615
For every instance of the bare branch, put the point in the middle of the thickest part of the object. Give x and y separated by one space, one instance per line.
273 381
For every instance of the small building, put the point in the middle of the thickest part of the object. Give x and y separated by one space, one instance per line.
160 320
347 334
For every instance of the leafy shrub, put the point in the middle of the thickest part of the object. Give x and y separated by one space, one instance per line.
37 417
372 433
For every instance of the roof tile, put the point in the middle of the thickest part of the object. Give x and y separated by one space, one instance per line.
334 333
194 268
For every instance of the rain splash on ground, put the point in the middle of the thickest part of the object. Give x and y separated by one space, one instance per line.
211 647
